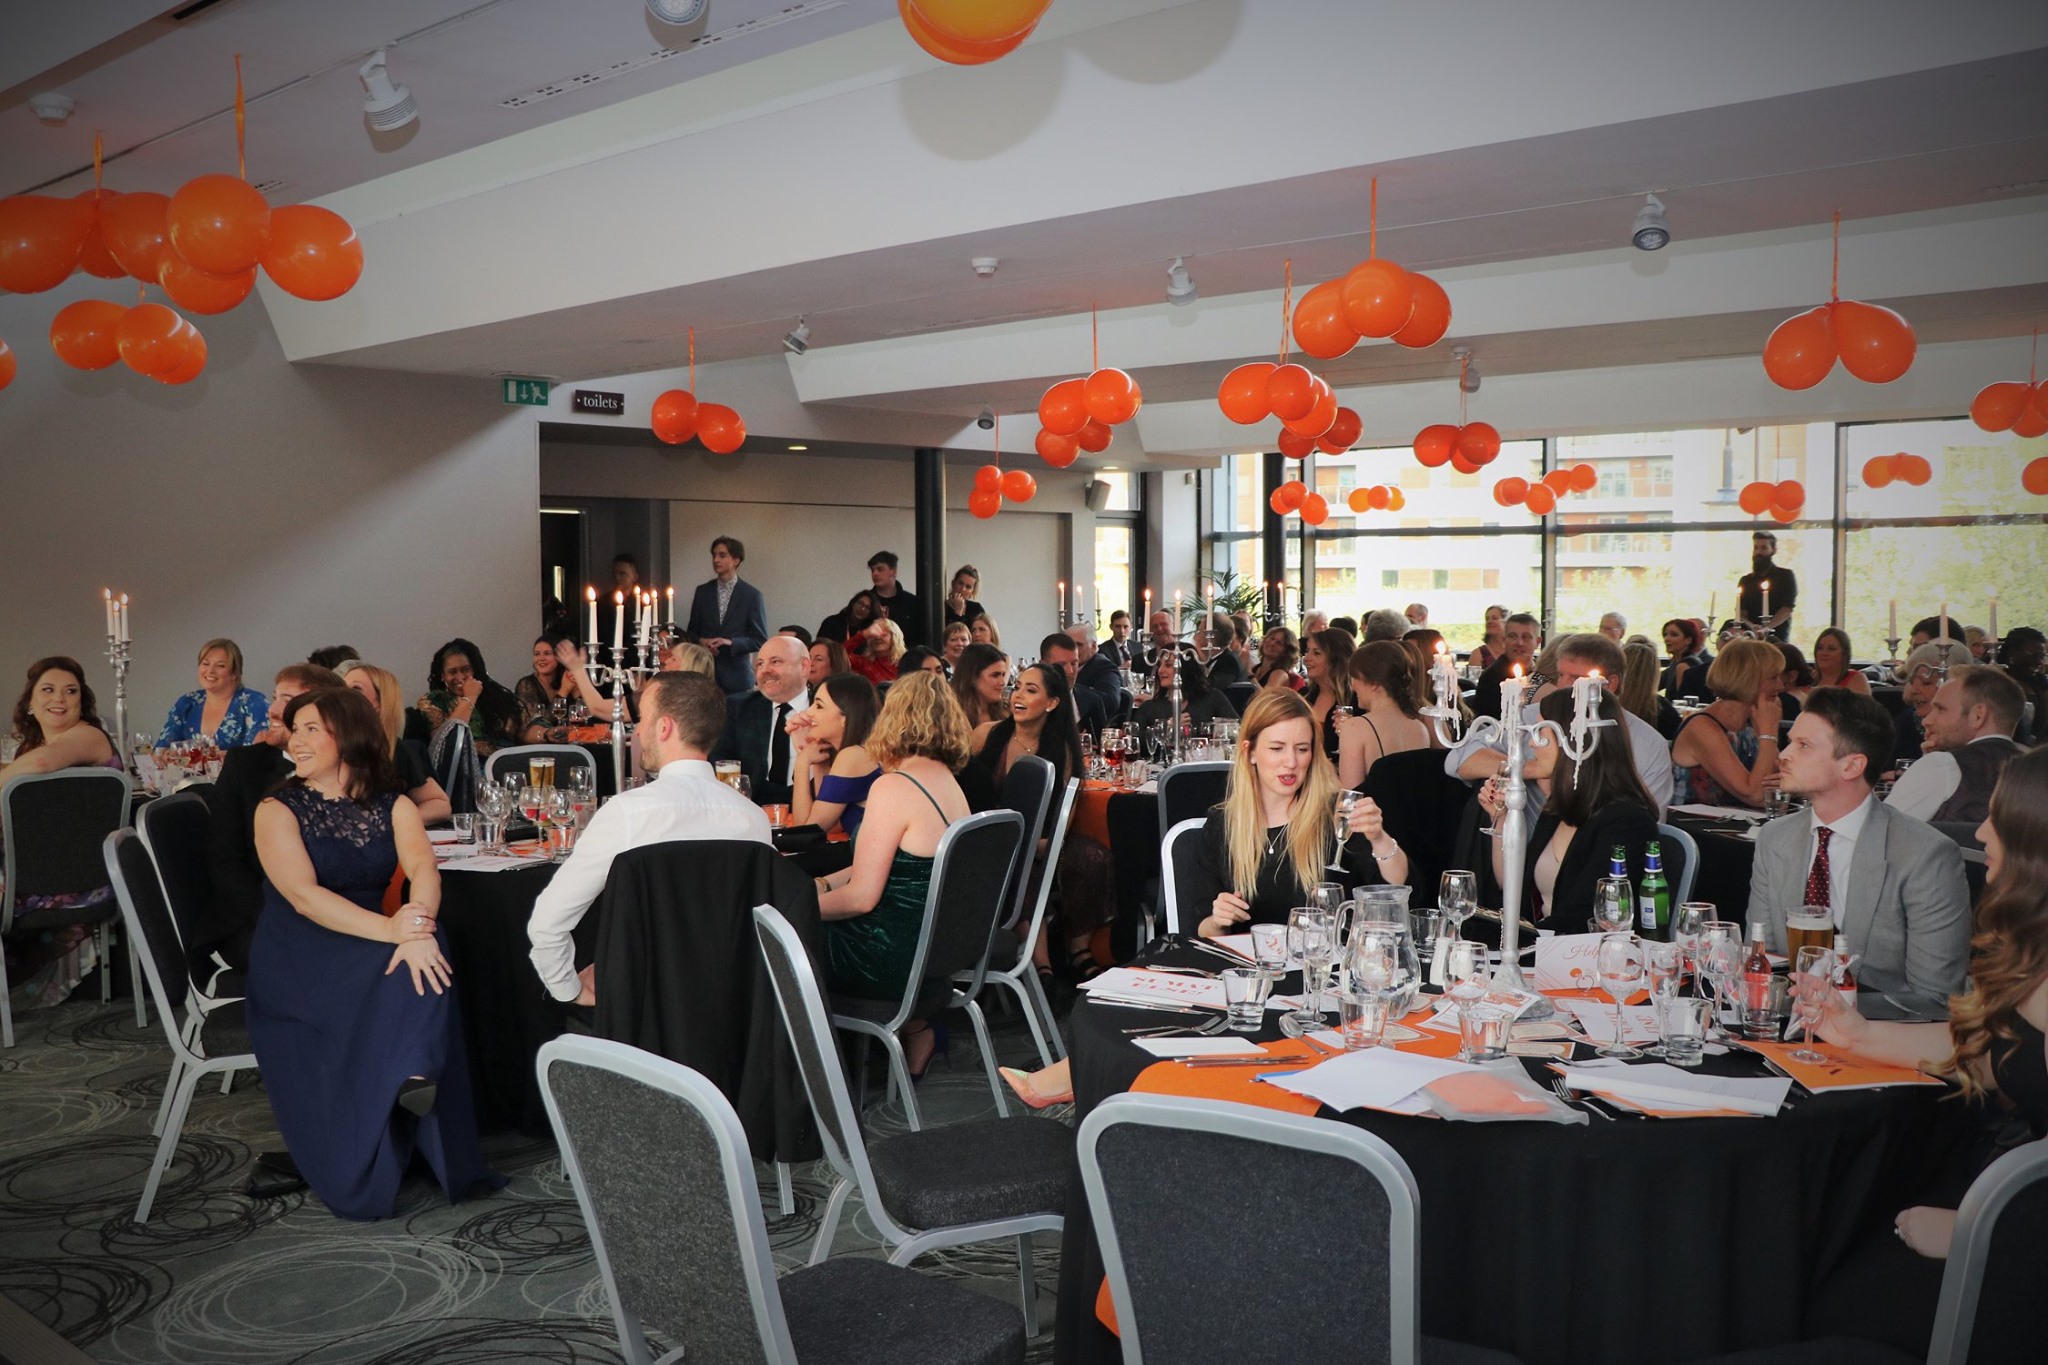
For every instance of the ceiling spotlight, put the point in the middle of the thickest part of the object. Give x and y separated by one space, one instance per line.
1652 228
52 108
389 106
1468 370
678 12
987 419
1180 286
797 339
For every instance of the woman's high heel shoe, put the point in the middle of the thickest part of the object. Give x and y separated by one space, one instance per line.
939 1039
1021 1082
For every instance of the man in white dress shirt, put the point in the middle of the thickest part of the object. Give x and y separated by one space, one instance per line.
1578 656
681 717
1969 741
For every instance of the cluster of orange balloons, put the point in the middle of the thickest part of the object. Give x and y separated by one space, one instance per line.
1294 496
2034 478
149 338
1377 498
678 416
2015 406
1464 448
1782 500
1077 414
1376 299
993 485
1873 343
1882 470
970 32
1310 416
1542 496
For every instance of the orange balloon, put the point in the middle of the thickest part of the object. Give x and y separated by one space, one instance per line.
136 230
82 334
1876 344
190 362
1295 447
93 256
7 365
1377 298
1877 471
1784 516
984 504
1377 497
1430 318
1290 392
2034 421
1540 500
1019 486
1291 494
1064 409
980 21
313 253
196 291
1357 500
219 223
1111 396
674 417
1558 481
1791 493
1462 463
1321 417
1801 350
1510 491
1585 478
1320 326
1343 433
2034 478
1094 437
989 479
1755 498
1434 444
946 50
150 338
1058 451
1242 394
1997 406
720 428
40 238
1396 499
1315 509
1913 469
1479 441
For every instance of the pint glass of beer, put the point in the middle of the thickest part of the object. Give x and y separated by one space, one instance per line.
1811 927
541 772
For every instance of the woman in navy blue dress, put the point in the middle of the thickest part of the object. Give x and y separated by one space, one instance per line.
351 1014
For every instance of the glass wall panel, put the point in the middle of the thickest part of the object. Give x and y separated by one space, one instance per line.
1112 572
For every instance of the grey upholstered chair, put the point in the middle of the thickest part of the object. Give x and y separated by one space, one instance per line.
173 829
1027 790
663 1177
1348 1272
1176 863
1018 973
220 1042
566 756
51 825
970 872
1187 790
1689 870
966 1182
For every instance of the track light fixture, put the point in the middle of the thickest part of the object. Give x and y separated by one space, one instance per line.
1468 370
1180 286
797 339
986 419
389 106
1652 229
678 12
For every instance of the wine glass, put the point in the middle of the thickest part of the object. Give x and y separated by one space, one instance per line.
1662 962
493 803
1720 959
1347 802
558 817
1614 908
1620 965
1466 971
1457 895
530 798
1687 923
1813 981
1308 946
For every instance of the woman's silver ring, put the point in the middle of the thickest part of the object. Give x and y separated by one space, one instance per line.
419 920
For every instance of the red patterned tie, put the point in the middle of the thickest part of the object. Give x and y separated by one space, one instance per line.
1818 890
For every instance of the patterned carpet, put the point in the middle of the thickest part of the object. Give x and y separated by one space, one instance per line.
217 1278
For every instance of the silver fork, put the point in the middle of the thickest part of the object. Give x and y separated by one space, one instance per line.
1564 1092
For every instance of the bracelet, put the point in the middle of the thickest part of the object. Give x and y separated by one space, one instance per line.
1387 857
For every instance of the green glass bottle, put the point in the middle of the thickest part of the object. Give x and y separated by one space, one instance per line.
1655 898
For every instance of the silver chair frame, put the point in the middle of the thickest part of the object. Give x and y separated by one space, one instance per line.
1022 976
200 1001
1969 1252
1690 874
1169 891
103 937
521 752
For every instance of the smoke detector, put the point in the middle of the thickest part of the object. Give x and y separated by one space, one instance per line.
52 108
985 266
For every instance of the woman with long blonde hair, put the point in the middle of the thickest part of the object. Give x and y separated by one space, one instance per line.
409 757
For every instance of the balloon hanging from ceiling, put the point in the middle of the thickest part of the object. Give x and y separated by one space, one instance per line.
1872 343
970 32
677 416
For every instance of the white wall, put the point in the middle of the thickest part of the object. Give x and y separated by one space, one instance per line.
284 507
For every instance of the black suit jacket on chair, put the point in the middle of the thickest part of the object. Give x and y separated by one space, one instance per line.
247 775
748 719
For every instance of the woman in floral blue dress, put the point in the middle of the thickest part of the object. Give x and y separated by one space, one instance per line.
220 711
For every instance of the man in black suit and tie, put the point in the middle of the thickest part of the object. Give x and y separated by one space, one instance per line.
247 775
728 617
1059 651
756 731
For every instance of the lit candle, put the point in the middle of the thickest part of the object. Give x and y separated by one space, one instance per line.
590 599
1078 613
1063 600
1893 631
1176 610
1766 586
123 619
671 604
618 620
1148 608
1511 689
1942 636
108 594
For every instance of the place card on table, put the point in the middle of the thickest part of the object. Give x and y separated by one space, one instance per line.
1135 985
493 862
1567 962
1200 1047
1719 812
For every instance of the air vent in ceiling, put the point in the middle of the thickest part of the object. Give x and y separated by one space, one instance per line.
269 188
627 65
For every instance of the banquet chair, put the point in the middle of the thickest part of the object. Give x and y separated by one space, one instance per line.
1027 790
661 1173
1422 805
51 825
1021 975
923 1191
1241 694
219 1044
173 829
1176 867
1689 869
566 756
1349 1271
1187 790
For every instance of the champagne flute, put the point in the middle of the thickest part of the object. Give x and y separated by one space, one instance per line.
1720 958
1347 802
1457 895
1307 941
1813 981
1687 924
1620 965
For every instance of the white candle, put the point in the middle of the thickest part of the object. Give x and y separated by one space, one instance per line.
1444 678
1063 599
1766 586
123 619
108 594
671 604
1892 632
590 598
1942 636
1176 611
618 620
1511 689
1078 613
1713 608
1991 631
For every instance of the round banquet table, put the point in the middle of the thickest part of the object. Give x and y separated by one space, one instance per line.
506 1013
1630 1240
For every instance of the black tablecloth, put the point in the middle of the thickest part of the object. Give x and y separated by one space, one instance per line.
506 1013
1636 1240
1725 860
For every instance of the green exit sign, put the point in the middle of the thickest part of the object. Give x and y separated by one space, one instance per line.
532 393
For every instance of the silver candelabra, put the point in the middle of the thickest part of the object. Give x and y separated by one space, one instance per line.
625 677
117 655
1516 736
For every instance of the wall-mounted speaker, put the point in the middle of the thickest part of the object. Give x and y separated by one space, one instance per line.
1096 494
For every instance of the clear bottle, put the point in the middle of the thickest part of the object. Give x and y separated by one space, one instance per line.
1756 972
1845 976
1654 899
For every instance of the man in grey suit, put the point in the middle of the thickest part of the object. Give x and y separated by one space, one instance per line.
728 617
1893 885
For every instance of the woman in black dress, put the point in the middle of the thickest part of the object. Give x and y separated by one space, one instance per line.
1326 659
